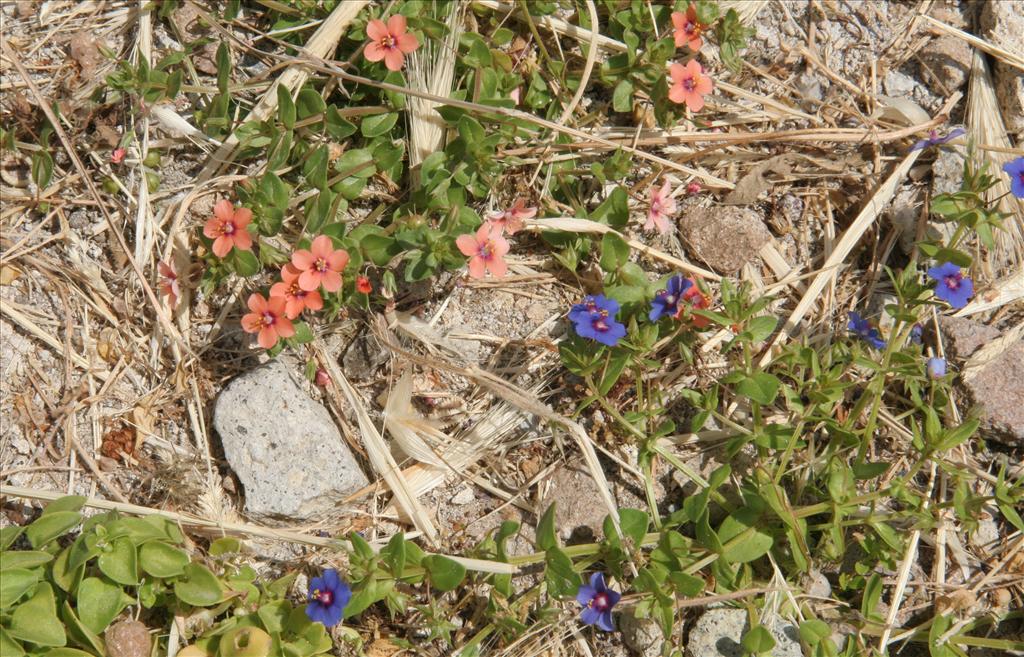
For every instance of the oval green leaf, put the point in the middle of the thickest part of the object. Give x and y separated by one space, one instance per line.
199 588
162 560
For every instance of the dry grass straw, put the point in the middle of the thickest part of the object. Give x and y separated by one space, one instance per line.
985 124
432 70
1011 58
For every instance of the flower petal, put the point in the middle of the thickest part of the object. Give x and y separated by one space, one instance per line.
338 260
212 228
302 260
604 621
467 244
679 20
243 217
589 616
331 280
284 327
314 301
694 102
309 280
374 51
477 267
397 25
322 247
677 72
222 246
498 267
267 337
376 29
393 59
585 594
677 94
280 289
597 579
257 303
408 43
242 240
224 210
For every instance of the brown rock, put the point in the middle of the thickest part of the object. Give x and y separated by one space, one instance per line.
949 59
127 638
579 512
963 337
726 237
1002 22
999 389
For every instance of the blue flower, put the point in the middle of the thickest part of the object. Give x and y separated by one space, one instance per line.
936 368
1015 170
595 319
915 333
597 600
863 330
951 285
935 140
328 596
666 302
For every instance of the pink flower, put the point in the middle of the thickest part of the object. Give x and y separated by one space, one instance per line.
228 229
389 42
689 85
687 28
693 188
662 207
169 283
268 320
516 95
295 298
118 155
486 251
323 379
320 265
511 220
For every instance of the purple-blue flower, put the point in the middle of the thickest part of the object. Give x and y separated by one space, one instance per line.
915 333
935 140
595 319
328 596
863 330
597 600
666 302
951 285
1015 170
936 368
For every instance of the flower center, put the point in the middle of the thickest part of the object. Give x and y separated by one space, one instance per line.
689 84
320 265
600 324
486 250
323 597
691 28
268 319
953 282
600 601
388 41
229 228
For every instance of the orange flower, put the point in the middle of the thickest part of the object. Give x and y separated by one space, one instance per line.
363 285
486 251
295 298
699 301
320 265
511 220
268 320
687 28
689 85
169 283
228 229
389 42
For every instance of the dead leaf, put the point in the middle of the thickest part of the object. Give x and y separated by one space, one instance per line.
107 345
751 185
959 600
144 420
8 274
900 111
84 48
382 648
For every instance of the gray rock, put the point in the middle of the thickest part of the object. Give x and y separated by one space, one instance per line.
724 237
284 447
998 389
947 172
963 336
642 636
364 356
719 631
1003 23
899 84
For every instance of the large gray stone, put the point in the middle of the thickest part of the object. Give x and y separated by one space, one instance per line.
1002 22
719 631
724 237
284 447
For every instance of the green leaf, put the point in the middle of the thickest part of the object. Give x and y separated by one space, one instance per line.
615 209
634 524
162 560
758 640
338 126
303 334
199 588
315 168
285 107
23 559
64 576
872 595
50 526
814 631
15 583
378 124
562 580
66 503
622 97
741 540
8 535
8 646
445 574
78 632
394 554
99 602
760 387
309 103
546 538
223 67
42 169
761 327
121 562
614 252
36 620
274 615
245 262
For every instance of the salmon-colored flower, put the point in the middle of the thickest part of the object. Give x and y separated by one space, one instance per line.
390 42
117 155
169 283
322 264
363 285
689 85
486 251
295 298
662 207
687 28
699 301
268 320
512 219
228 228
